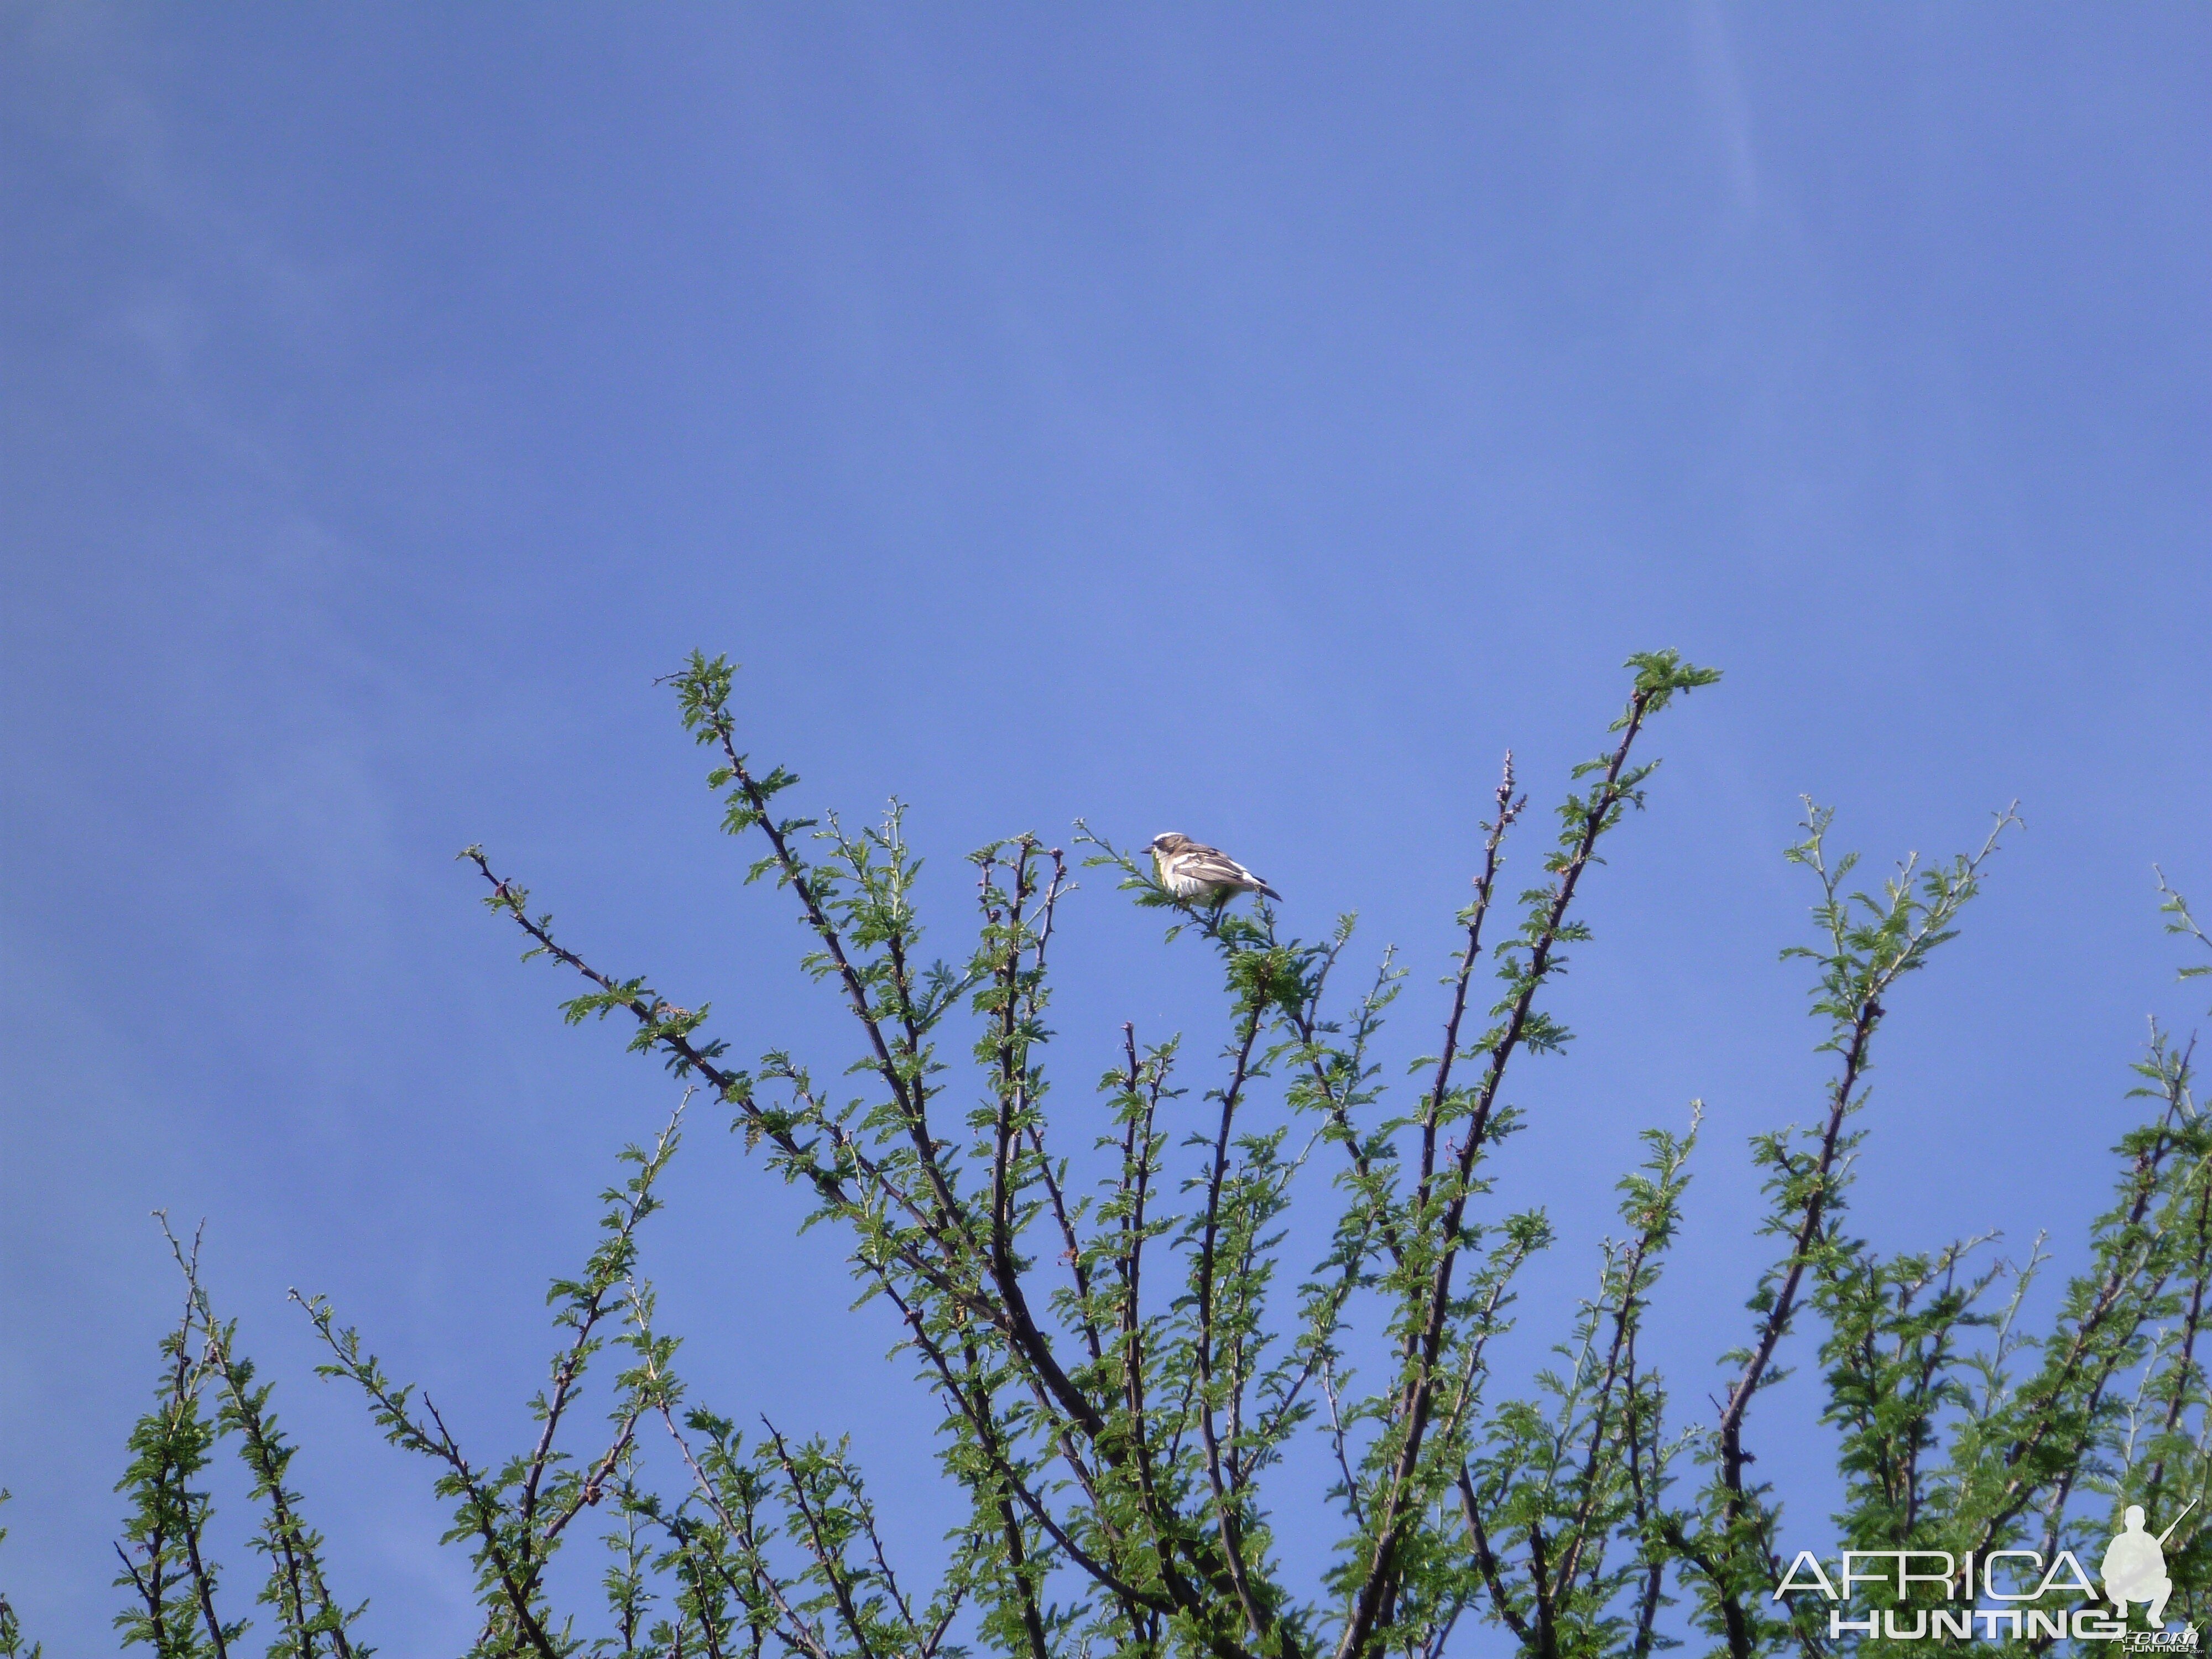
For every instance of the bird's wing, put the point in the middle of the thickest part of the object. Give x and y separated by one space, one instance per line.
1211 864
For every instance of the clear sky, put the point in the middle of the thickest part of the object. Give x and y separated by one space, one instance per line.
1249 421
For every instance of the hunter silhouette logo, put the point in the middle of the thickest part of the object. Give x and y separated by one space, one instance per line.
2010 1594
2135 1566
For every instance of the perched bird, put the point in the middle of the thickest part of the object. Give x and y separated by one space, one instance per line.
1192 870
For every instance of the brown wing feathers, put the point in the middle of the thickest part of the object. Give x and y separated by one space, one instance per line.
1196 862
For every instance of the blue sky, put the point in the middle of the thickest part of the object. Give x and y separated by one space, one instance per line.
1245 421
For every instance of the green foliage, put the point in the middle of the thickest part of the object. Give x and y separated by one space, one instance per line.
11 1630
1126 1361
2183 924
165 1565
513 1517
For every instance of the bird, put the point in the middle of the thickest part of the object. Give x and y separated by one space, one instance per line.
1192 870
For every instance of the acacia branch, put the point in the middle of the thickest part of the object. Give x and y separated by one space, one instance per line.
1508 809
1226 1510
664 1025
911 1099
1378 1584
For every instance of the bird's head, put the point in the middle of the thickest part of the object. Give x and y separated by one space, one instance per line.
1166 843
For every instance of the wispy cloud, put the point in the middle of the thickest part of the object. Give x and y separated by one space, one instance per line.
1721 83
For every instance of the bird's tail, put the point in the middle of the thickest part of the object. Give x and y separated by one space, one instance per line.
1271 892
